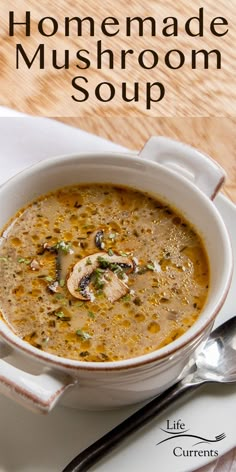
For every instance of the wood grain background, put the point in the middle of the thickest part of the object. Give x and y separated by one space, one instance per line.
48 92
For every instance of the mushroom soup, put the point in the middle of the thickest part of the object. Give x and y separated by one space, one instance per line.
101 273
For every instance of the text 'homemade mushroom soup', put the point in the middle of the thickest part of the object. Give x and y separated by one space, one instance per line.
101 273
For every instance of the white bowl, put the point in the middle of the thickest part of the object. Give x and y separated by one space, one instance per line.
175 173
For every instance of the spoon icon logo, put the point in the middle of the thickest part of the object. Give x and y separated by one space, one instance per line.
183 434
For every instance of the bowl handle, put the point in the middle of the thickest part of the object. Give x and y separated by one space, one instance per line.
37 392
203 171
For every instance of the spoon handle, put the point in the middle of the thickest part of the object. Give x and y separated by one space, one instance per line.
92 454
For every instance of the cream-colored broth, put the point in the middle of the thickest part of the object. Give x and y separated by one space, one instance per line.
166 290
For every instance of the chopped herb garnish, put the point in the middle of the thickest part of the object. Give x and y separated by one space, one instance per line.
63 246
48 278
114 266
119 272
22 260
150 267
124 254
117 268
59 296
61 315
97 279
91 314
99 271
62 283
110 252
82 334
4 259
112 236
104 263
88 262
126 298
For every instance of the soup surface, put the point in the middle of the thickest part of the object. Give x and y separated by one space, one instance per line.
101 273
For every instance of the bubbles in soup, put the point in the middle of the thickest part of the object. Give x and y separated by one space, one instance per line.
101 273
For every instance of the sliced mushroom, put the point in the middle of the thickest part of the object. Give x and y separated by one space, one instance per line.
99 239
114 288
83 286
79 278
92 240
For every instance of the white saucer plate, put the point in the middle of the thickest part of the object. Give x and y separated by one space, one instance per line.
33 443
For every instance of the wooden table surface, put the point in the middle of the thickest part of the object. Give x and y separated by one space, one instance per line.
189 92
214 136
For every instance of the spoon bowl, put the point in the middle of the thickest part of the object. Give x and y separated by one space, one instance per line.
216 362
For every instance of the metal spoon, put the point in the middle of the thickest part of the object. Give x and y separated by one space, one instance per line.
215 363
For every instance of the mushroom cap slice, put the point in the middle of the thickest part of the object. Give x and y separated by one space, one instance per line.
83 269
98 239
114 288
